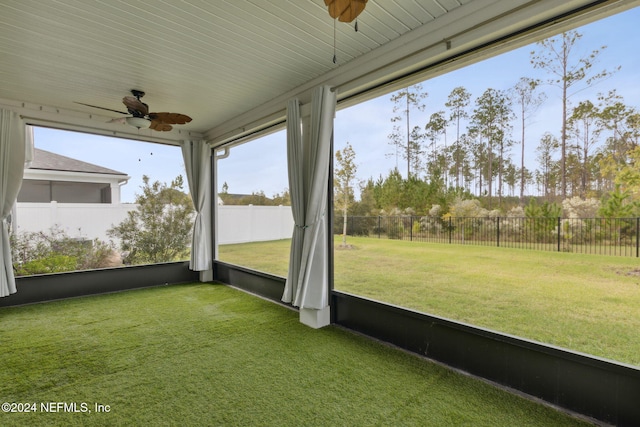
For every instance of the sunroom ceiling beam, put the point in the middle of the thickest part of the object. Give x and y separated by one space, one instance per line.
47 116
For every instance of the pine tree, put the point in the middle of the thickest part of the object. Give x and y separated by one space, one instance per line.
344 175
556 55
407 141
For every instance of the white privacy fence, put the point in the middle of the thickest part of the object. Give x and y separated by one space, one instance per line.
241 224
78 220
237 224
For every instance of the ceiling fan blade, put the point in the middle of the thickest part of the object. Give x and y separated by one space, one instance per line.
356 7
102 108
133 104
170 118
160 122
337 7
345 10
160 126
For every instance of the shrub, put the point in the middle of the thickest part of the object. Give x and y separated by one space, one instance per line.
544 219
54 252
516 212
160 229
575 207
468 209
416 228
395 230
432 225
49 264
363 225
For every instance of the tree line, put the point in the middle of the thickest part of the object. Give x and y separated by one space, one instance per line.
256 198
468 148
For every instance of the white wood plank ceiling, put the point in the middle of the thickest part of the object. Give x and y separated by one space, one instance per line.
218 61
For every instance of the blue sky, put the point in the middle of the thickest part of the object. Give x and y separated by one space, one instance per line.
262 166
160 162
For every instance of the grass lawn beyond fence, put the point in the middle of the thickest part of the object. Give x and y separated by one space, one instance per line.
586 303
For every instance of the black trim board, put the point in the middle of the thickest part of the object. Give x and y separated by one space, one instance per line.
47 287
265 285
603 390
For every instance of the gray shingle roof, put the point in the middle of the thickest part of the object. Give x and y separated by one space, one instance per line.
46 160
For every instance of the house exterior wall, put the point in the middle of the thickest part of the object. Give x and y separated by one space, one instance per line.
38 191
70 187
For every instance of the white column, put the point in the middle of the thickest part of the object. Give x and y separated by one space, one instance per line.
115 193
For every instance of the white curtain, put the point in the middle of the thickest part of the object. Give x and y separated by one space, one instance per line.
16 149
197 162
309 157
294 162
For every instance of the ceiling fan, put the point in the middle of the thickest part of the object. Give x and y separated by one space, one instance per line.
140 115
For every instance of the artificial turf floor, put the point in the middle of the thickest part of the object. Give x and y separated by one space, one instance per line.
205 354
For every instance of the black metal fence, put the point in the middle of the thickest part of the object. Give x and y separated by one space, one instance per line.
602 236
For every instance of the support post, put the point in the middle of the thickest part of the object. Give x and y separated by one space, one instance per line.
637 237
559 232
315 319
411 228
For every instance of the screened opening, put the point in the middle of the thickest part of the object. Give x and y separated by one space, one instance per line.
469 196
91 202
254 220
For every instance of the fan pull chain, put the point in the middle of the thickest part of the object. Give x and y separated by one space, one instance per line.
356 26
335 59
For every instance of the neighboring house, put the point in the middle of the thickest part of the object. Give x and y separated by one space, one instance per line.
52 177
80 198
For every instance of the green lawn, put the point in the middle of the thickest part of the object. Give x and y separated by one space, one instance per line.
202 354
587 303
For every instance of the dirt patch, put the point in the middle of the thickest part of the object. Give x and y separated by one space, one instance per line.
633 273
114 259
345 247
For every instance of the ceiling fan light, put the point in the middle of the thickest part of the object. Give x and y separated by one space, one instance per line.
138 122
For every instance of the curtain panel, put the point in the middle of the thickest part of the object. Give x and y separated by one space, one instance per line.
309 158
16 150
197 162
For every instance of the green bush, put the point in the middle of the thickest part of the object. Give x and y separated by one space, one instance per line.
50 264
159 230
545 220
54 252
416 228
395 230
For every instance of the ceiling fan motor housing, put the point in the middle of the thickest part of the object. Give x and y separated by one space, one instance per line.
135 112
